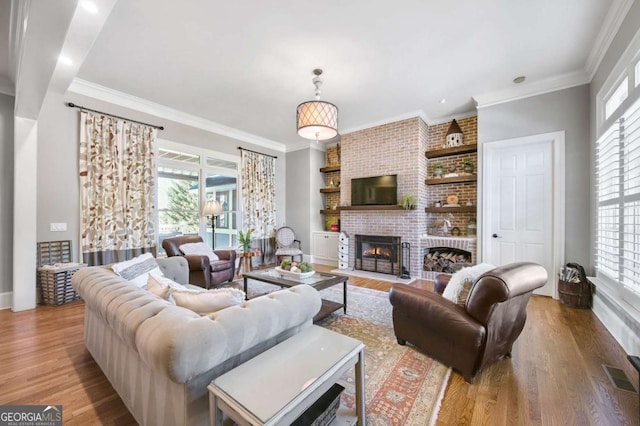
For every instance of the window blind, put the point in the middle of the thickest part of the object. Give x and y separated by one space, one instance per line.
617 249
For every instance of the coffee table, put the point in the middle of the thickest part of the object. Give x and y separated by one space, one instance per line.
319 281
277 386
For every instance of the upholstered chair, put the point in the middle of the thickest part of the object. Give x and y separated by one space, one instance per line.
202 271
287 245
475 336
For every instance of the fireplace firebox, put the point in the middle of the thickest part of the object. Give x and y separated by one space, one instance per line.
378 253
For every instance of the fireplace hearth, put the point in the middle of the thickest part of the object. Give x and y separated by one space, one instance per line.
378 253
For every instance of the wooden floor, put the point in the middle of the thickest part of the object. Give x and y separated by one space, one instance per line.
554 378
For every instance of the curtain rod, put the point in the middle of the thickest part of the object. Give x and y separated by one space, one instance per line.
72 105
256 152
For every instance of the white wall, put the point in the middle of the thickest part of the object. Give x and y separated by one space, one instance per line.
566 110
6 198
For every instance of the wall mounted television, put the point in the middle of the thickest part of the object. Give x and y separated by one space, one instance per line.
376 190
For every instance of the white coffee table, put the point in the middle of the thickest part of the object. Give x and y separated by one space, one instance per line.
277 386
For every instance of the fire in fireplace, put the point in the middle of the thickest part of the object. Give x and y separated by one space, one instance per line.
378 253
446 259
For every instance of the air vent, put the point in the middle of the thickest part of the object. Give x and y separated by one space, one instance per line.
619 379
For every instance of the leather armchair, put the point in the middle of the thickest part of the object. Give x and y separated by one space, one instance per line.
202 272
471 338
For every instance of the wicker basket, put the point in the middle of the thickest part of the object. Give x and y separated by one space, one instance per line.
55 283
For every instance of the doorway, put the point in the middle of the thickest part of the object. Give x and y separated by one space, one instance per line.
523 203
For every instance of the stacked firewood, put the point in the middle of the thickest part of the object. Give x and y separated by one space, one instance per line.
444 261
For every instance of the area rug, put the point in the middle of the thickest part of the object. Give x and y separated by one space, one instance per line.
402 385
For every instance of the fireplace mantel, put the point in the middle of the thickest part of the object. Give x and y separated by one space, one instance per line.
371 207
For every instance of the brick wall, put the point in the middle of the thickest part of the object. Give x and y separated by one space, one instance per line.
395 148
464 191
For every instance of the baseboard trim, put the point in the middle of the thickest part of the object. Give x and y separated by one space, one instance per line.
5 300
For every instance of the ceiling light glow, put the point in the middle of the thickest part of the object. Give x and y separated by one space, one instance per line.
65 60
443 100
90 7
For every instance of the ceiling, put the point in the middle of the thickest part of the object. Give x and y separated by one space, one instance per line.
248 64
6 78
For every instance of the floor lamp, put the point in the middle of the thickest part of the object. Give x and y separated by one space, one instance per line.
213 209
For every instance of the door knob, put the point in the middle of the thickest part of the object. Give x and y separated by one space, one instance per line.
495 236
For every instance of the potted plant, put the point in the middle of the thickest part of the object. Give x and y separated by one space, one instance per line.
437 169
245 240
409 202
467 166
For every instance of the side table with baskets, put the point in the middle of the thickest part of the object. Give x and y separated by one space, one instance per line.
55 270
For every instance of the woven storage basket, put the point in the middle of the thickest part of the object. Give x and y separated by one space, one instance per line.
55 283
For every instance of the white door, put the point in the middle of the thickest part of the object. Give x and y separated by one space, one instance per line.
518 204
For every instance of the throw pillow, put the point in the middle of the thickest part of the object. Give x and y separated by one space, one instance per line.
161 286
199 249
205 302
138 269
460 284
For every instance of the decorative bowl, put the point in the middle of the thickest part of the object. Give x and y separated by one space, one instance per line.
294 275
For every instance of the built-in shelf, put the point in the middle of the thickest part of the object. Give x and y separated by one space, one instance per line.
329 211
327 190
456 150
385 207
328 169
455 179
461 209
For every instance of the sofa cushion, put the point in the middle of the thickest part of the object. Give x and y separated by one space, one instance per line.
205 302
199 249
160 286
138 269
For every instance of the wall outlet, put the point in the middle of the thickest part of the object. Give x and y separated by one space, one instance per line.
57 227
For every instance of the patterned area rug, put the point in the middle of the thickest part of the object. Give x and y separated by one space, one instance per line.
403 386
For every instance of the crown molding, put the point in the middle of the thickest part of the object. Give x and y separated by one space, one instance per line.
535 88
106 94
308 145
448 118
612 22
414 114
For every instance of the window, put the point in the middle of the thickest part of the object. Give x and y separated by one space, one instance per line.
637 79
617 97
182 172
617 245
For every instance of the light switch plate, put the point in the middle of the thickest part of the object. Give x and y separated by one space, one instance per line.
57 227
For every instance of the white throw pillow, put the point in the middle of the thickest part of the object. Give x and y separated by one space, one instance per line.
205 302
199 249
461 282
138 269
160 286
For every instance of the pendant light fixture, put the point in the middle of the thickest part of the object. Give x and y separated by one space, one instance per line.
317 119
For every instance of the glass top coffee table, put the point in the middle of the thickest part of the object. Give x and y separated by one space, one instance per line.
278 385
319 281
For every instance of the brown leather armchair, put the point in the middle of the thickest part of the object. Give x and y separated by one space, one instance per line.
202 272
470 338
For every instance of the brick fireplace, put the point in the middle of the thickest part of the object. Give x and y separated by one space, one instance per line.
395 148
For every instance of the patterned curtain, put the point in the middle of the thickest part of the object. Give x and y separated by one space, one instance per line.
117 188
258 193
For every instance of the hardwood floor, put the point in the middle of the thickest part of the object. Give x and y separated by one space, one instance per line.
554 377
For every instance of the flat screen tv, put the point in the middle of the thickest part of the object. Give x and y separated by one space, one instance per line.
376 190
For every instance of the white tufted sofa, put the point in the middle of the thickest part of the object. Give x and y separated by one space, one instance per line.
160 357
